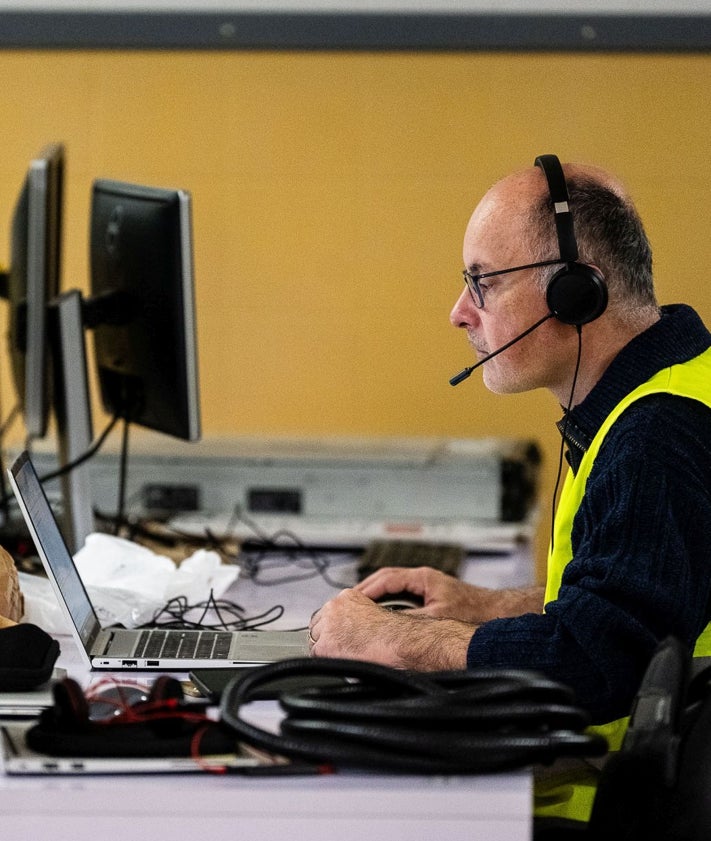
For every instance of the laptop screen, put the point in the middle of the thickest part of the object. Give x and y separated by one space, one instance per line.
52 548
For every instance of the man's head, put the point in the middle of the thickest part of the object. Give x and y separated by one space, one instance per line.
514 225
608 231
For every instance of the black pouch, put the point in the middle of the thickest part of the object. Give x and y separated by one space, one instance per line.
27 657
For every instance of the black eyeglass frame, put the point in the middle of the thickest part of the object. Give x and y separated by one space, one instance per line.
475 290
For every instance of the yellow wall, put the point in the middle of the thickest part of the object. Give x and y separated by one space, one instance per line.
331 191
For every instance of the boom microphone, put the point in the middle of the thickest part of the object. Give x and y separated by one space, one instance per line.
467 372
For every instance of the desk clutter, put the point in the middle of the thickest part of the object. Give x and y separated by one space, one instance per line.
27 658
374 717
367 717
337 715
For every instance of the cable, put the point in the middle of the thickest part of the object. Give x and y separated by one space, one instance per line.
564 431
123 475
476 721
265 546
61 471
9 420
230 616
85 456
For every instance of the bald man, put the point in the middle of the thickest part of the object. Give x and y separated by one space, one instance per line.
630 561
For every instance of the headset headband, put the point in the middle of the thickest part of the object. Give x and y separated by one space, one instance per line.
558 190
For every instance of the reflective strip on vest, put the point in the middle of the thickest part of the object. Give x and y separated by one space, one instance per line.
573 798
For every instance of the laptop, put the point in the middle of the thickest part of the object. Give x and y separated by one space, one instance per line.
31 702
19 759
120 649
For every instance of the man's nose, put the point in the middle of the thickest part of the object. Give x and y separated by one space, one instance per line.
464 313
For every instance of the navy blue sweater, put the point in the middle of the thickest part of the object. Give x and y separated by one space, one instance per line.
641 566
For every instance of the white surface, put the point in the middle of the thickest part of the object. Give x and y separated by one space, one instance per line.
326 808
341 807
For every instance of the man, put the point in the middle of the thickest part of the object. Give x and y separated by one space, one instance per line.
631 556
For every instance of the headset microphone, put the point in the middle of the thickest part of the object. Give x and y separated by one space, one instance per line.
463 375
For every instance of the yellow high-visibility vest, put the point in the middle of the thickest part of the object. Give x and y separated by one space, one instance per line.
572 797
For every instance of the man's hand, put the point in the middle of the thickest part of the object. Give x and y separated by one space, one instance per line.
352 626
448 597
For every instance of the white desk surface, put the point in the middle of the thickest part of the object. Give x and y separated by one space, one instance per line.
339 807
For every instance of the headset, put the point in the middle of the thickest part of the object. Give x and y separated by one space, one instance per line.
577 293
162 723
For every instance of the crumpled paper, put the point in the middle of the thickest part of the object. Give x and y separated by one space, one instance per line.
128 583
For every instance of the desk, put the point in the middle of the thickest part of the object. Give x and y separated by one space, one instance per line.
341 807
349 807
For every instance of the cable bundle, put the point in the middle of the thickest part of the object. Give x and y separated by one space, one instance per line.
477 721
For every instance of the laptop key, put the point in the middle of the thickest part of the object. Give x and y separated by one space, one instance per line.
222 646
154 644
173 643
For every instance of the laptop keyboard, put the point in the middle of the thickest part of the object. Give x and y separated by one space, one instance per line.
177 644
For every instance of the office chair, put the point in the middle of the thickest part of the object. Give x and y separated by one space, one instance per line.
658 786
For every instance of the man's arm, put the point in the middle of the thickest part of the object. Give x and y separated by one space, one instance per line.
434 637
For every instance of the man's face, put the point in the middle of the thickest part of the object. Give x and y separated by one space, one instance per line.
496 238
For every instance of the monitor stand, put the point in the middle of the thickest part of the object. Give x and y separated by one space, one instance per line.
73 413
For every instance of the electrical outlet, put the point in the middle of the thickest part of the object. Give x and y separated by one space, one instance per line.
166 497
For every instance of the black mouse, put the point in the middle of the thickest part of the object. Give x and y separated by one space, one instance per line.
403 600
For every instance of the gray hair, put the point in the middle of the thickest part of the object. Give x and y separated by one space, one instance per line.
610 235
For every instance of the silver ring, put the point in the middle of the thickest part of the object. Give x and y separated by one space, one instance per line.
312 641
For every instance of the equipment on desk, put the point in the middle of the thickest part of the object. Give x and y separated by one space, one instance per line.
19 759
475 721
331 492
120 649
29 703
446 557
211 683
27 657
160 733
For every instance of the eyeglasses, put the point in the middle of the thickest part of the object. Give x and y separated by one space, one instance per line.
475 288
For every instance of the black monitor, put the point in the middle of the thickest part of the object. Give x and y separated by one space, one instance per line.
33 281
142 306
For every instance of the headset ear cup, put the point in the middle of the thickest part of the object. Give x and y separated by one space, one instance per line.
577 294
71 710
165 688
162 709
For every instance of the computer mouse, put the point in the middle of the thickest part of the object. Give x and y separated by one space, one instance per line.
403 600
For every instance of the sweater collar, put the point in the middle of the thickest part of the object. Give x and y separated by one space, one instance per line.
678 336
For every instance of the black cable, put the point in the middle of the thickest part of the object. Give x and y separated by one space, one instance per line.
123 474
266 545
564 431
85 456
9 420
476 721
230 616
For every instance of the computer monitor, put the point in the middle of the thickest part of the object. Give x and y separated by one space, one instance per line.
33 281
142 306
